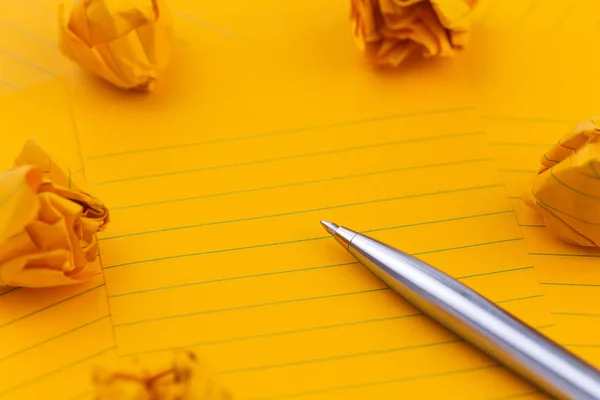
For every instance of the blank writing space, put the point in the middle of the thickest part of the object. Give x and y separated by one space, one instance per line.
252 262
575 299
470 260
25 333
244 293
528 309
257 147
519 158
362 369
64 350
228 265
518 183
69 381
494 286
21 73
542 241
286 287
383 156
23 302
36 50
308 346
568 270
578 329
590 353
31 19
525 307
225 237
200 104
300 197
201 328
407 210
528 132
466 384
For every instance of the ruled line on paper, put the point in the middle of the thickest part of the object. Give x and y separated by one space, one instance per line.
217 308
302 183
382 289
320 238
565 255
290 272
288 131
575 314
291 157
570 284
36 380
28 63
258 217
553 282
274 303
401 380
342 357
12 289
352 355
308 240
275 334
303 330
380 383
51 305
62 334
30 34
577 345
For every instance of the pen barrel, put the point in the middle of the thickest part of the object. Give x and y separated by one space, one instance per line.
478 320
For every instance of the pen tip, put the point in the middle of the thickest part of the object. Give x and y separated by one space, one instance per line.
329 226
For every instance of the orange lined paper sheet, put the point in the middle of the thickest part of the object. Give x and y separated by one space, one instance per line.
49 337
525 117
217 185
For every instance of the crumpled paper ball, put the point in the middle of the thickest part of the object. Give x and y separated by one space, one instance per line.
48 224
388 31
566 190
128 43
184 378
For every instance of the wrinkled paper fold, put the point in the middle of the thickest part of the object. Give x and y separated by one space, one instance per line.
388 31
184 378
48 224
566 190
127 43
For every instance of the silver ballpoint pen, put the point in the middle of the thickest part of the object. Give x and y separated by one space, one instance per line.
509 340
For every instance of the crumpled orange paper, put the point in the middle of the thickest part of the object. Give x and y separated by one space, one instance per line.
48 224
128 43
184 378
388 31
566 190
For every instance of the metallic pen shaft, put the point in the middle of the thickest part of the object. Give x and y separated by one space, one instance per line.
476 319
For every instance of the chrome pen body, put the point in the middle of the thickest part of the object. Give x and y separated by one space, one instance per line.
480 322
